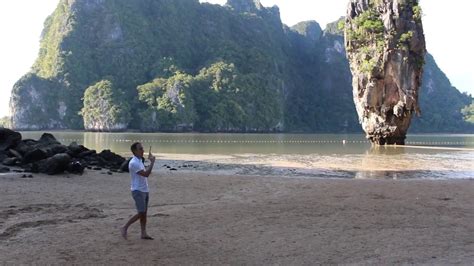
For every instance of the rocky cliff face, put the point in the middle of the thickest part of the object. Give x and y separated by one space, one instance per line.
386 47
35 104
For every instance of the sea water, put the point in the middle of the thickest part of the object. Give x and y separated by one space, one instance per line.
427 156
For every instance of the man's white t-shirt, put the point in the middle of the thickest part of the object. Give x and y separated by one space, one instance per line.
139 182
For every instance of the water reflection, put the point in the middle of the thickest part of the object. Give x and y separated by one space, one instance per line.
101 141
386 150
398 162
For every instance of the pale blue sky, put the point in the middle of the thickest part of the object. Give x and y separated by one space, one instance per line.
447 27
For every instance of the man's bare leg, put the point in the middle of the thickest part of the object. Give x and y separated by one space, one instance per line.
124 229
143 226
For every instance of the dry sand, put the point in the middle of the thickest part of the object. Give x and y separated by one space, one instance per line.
208 218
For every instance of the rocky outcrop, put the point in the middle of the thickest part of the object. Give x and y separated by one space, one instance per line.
8 139
385 46
49 156
310 29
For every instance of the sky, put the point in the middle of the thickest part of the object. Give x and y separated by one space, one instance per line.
446 31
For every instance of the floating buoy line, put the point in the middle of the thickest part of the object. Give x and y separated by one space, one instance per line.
409 144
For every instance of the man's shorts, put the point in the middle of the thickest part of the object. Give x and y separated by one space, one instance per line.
141 200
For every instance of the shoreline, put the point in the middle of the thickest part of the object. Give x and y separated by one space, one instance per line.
311 166
209 218
302 166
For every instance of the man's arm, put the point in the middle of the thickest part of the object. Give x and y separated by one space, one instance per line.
147 171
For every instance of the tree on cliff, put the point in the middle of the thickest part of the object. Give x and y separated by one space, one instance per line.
168 102
104 108
468 113
5 122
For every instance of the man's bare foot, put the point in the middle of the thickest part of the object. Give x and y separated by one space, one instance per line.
147 237
123 232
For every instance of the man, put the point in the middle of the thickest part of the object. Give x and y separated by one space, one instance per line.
139 186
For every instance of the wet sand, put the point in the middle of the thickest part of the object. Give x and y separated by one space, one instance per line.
211 217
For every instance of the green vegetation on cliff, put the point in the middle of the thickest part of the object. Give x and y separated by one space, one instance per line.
468 113
219 98
5 122
367 36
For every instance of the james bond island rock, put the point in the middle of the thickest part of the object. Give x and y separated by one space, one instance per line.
385 46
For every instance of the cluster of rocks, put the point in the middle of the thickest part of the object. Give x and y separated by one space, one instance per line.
49 156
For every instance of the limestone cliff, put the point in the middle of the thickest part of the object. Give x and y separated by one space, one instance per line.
385 46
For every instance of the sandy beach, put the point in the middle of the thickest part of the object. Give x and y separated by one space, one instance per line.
213 218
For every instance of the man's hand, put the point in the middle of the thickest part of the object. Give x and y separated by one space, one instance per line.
151 158
147 172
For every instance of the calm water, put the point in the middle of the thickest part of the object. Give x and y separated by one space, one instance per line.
310 155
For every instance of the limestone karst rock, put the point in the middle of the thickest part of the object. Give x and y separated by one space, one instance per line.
386 47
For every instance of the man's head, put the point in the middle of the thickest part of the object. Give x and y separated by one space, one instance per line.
137 149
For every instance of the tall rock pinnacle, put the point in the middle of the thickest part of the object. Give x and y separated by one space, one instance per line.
385 46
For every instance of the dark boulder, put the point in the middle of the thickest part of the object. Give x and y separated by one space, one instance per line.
54 149
124 166
8 139
14 153
34 156
75 167
59 149
86 153
74 149
93 159
100 161
48 138
55 165
11 161
47 144
26 146
29 142
4 169
110 156
3 155
111 159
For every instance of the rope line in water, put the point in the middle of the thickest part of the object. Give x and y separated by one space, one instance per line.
410 144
